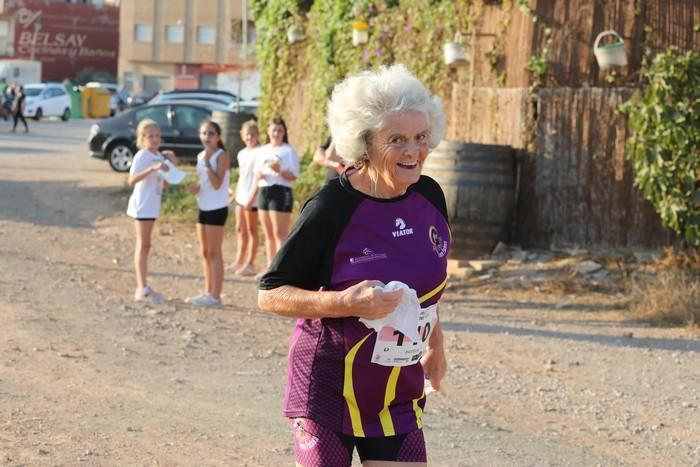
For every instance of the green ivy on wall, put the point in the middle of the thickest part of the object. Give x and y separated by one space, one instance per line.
401 31
278 62
664 144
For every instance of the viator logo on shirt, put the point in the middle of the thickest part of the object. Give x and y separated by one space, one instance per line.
403 231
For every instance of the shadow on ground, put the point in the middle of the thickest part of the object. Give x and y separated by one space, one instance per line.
49 203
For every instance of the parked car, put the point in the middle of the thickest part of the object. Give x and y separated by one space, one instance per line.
117 102
47 100
210 92
249 106
223 98
114 139
138 99
191 96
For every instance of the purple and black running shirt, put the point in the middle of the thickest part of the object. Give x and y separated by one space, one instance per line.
341 238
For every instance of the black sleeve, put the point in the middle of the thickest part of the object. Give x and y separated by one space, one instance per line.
300 261
433 193
326 144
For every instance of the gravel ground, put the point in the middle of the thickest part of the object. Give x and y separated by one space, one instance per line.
89 378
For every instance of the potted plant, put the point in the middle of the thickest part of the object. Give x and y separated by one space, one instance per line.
612 54
295 34
360 33
454 52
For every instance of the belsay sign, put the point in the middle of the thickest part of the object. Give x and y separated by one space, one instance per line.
66 37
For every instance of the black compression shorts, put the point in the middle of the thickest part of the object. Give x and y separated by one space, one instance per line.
214 217
275 198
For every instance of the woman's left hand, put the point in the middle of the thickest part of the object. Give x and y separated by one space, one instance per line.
434 361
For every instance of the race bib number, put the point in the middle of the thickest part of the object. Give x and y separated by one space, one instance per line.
393 348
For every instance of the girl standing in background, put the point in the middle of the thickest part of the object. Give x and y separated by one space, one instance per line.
144 203
213 168
244 198
277 168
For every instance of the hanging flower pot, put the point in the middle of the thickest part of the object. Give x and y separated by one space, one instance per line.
610 55
295 34
454 52
360 33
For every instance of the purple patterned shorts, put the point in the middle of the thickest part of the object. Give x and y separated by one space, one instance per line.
316 446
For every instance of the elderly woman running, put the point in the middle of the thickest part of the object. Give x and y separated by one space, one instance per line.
381 221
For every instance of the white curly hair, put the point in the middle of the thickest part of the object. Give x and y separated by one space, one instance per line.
361 103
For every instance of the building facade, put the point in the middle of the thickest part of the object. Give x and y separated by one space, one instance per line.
185 44
66 37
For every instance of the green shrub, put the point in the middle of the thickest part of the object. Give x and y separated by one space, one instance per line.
179 205
664 144
310 180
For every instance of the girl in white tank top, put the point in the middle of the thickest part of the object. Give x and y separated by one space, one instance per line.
213 168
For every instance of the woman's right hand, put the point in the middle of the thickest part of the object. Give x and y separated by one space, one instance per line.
275 165
194 189
367 300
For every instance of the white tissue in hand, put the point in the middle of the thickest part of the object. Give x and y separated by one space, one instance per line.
173 175
404 318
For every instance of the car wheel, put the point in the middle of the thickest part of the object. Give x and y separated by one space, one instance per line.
66 115
120 156
38 114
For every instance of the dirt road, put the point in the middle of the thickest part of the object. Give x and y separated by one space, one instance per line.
89 378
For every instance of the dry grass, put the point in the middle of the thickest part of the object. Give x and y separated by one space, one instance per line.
665 292
569 285
687 260
670 298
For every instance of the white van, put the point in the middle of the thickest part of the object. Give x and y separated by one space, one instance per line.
20 72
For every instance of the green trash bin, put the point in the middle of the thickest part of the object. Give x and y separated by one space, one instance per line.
75 100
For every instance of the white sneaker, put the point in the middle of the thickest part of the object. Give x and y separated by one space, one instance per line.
247 270
204 300
149 295
233 267
196 297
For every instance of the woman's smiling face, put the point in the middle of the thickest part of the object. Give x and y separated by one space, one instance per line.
398 150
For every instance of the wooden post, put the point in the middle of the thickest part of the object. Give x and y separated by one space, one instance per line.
471 81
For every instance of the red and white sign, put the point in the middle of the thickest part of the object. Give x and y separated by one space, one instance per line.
66 37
